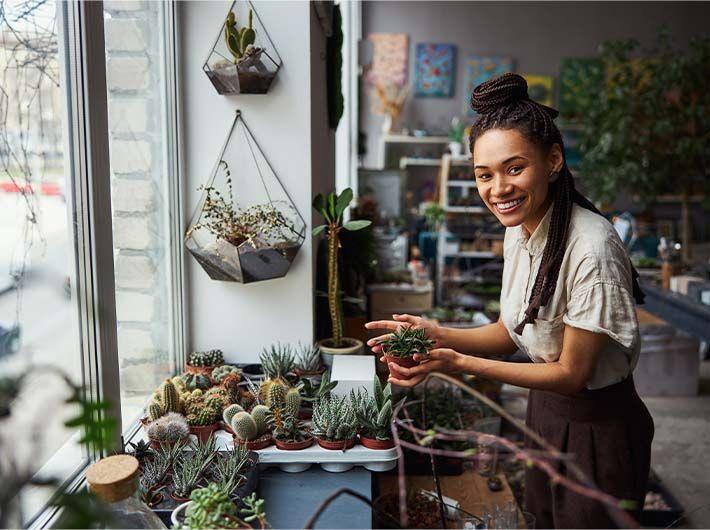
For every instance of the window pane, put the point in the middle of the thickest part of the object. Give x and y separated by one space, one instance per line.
141 170
38 309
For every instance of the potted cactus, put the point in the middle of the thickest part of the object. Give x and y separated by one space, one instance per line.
165 400
308 361
289 432
204 412
204 362
168 430
311 393
374 413
332 209
335 423
252 429
401 346
222 371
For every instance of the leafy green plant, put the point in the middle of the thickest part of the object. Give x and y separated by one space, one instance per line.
406 342
456 130
211 507
254 511
334 419
645 126
312 393
332 209
434 215
308 358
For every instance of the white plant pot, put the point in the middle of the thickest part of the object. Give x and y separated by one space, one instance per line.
177 512
327 352
455 148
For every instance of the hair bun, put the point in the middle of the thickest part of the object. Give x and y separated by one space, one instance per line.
499 92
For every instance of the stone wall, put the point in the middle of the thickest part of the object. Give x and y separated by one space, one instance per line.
135 79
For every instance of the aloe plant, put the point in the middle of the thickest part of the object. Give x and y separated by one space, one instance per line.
406 342
332 208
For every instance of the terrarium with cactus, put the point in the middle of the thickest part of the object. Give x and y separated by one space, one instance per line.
243 59
245 228
401 346
335 423
204 362
374 414
332 208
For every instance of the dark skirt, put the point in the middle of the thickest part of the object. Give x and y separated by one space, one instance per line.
608 434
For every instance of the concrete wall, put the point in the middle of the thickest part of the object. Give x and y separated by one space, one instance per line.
242 319
535 34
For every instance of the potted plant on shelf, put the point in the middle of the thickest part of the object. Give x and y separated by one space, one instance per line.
252 429
308 361
278 362
374 413
310 393
165 400
209 507
170 429
401 346
332 208
203 362
153 473
456 133
220 372
230 468
187 472
289 432
335 423
203 413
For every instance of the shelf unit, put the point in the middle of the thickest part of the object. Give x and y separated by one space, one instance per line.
388 139
467 187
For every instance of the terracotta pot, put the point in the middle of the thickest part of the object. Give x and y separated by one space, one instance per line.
337 445
373 443
407 362
302 373
155 444
203 432
294 446
178 499
204 370
263 441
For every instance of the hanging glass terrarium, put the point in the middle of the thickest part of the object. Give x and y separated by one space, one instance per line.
246 227
243 59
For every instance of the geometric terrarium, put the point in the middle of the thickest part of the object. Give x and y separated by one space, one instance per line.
245 227
243 59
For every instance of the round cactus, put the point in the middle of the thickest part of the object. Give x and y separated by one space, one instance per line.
196 381
220 372
169 397
244 426
230 412
293 401
179 384
260 415
155 411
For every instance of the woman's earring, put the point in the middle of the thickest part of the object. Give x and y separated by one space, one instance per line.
554 176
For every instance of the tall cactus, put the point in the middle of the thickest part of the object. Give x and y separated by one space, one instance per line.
293 401
155 411
260 414
169 397
276 395
238 39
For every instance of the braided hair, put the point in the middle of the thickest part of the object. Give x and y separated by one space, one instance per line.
503 103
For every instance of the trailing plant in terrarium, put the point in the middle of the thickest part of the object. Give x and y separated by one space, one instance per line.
245 228
243 59
334 419
332 209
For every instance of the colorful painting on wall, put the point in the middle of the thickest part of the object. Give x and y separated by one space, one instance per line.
540 88
435 67
389 59
478 70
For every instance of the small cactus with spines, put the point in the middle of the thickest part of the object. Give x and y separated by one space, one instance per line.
168 429
238 39
230 384
244 426
260 414
155 411
206 358
196 381
230 412
220 372
179 384
292 401
276 395
169 397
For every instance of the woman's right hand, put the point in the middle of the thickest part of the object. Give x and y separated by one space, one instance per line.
433 331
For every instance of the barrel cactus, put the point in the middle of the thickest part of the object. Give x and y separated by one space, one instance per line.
220 372
168 429
260 413
244 426
196 381
230 412
206 358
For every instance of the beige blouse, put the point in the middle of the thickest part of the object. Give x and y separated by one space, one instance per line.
594 292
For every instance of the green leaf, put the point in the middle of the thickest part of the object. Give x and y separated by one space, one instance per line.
319 229
356 225
318 202
343 201
331 205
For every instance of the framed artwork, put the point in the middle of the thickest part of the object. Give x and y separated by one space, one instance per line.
574 74
390 55
435 66
479 69
540 88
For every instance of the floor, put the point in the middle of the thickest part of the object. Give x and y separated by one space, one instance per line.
681 449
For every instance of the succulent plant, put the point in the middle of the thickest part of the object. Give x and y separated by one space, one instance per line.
202 409
196 382
277 361
228 468
168 429
155 410
172 452
248 426
308 358
210 507
230 412
206 358
374 413
169 397
312 393
205 451
334 419
231 385
260 414
273 392
179 384
238 39
153 471
141 450
254 511
406 342
220 372
187 471
287 427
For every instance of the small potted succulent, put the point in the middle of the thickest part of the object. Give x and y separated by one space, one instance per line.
220 372
252 428
187 473
308 361
374 414
312 393
289 432
204 412
209 507
153 473
168 430
165 400
401 346
278 362
204 362
335 423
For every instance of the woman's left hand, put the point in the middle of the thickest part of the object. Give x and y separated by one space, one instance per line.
440 360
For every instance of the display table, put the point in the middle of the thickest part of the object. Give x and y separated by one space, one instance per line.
290 499
469 489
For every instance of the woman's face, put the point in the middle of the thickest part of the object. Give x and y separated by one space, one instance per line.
513 176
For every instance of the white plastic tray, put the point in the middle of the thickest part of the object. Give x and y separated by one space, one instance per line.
329 460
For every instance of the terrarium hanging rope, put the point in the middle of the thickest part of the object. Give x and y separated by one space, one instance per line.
246 227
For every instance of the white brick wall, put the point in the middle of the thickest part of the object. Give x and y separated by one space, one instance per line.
131 156
134 271
128 73
128 115
135 307
132 233
133 196
126 35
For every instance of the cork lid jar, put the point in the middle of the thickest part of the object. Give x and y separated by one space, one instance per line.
113 478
